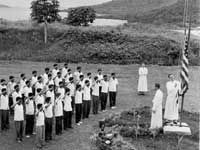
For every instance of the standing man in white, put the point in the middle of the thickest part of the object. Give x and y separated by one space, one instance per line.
156 117
142 82
172 104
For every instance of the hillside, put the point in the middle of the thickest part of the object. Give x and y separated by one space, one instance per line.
120 45
148 11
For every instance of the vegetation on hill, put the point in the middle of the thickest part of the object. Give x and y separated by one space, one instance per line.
145 11
121 45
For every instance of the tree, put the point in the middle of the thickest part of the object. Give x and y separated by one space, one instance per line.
45 11
81 16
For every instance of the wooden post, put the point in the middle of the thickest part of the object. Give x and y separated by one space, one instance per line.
45 31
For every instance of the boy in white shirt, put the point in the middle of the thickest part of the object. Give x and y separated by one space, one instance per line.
49 82
100 78
22 82
27 89
58 79
64 71
81 81
77 73
10 89
69 75
67 120
71 86
95 95
104 93
34 80
15 94
45 76
19 118
39 99
48 110
4 108
30 111
58 113
86 99
113 88
50 93
3 85
55 70
78 104
39 84
40 126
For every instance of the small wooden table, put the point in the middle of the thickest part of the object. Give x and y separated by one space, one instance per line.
181 131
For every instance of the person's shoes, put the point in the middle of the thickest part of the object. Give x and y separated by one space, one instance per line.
34 133
78 124
27 136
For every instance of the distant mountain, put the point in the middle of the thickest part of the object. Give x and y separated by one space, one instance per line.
4 6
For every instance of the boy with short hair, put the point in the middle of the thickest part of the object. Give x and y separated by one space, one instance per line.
71 86
58 113
48 110
40 126
27 89
19 118
50 93
67 120
45 76
22 82
78 104
4 108
39 84
58 79
69 75
64 70
16 93
104 93
77 73
39 99
95 95
55 71
86 99
3 85
30 110
81 81
34 80
113 88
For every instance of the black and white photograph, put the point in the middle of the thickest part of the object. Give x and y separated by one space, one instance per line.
99 74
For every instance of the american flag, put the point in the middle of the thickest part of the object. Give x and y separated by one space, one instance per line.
184 68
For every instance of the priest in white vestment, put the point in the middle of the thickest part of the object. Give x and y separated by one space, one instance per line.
172 104
142 82
156 117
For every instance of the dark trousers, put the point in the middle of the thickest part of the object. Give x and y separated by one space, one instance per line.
10 104
95 102
86 109
73 103
112 98
78 109
4 119
19 126
104 97
67 120
29 124
59 125
48 128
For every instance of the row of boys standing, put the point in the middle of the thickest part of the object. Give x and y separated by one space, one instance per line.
57 92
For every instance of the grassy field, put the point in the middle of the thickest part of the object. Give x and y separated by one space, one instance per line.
78 138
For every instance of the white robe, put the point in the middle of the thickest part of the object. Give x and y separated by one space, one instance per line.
171 106
156 118
142 83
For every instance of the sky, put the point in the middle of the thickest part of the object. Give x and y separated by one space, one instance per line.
63 3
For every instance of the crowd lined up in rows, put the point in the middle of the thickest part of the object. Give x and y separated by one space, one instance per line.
57 94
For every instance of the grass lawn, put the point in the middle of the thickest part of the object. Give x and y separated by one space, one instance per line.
78 138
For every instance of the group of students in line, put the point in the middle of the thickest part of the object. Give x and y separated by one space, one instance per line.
57 93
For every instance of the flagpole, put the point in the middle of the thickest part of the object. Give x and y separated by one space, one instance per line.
188 44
